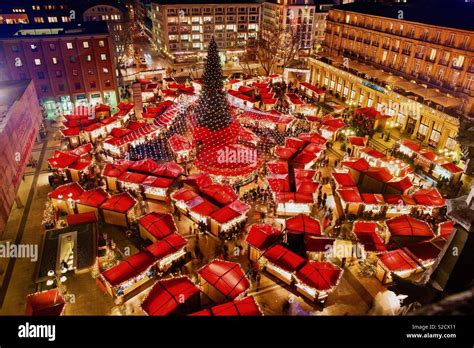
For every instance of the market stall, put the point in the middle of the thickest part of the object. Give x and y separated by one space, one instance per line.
228 217
183 150
368 236
90 201
299 227
119 209
167 251
64 197
174 296
260 237
223 280
311 91
315 279
405 230
243 307
45 303
282 263
155 226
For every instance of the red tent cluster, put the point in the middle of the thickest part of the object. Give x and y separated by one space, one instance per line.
243 307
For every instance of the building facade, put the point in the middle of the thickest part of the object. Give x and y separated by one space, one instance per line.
421 74
306 17
20 119
183 29
69 64
38 11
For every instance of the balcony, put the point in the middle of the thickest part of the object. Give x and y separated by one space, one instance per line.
406 52
419 55
456 67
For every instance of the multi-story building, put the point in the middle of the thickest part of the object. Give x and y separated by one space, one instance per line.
386 57
306 17
38 11
69 63
20 119
182 29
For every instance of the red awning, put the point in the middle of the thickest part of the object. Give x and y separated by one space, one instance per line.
263 236
318 275
82 218
372 198
372 152
62 160
451 167
146 166
366 232
120 203
93 198
168 169
201 206
350 194
423 251
157 181
359 164
398 260
72 190
222 194
227 277
184 195
318 244
45 303
160 225
413 146
135 178
129 268
170 297
369 112
445 228
429 197
401 185
294 197
167 246
343 179
244 307
229 212
284 258
405 225
303 224
115 169
358 141
279 183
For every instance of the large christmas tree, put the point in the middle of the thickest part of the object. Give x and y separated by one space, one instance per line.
212 110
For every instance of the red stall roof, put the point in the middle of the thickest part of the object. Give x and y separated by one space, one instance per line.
398 260
369 112
294 197
169 297
318 275
45 303
358 141
158 224
302 223
350 195
277 167
381 174
244 307
314 138
312 88
202 206
412 145
157 181
398 199
230 212
405 225
429 197
445 228
72 190
168 169
146 166
115 169
135 178
128 268
167 246
359 164
344 179
184 195
262 236
366 232
372 152
222 194
451 167
372 198
120 203
227 277
423 251
82 218
317 244
402 185
284 258
62 160
278 183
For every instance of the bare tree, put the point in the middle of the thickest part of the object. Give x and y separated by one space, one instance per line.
267 50
289 45
249 56
123 43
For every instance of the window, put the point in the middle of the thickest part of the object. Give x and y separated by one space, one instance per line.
59 73
458 62
72 59
41 75
77 85
105 70
435 135
451 143
69 45
89 58
15 48
75 72
107 83
61 87
93 84
34 48
101 43
90 72
44 88
433 54
103 56
55 61
423 129
52 47
85 44
37 61
52 19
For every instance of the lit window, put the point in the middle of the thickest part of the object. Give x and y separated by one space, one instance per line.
69 45
89 58
37 61
103 56
101 43
55 61
85 44
105 70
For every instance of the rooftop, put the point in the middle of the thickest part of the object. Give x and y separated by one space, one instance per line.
10 92
53 29
204 2
444 14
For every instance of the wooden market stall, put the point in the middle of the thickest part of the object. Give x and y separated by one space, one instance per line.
91 200
282 263
119 209
242 307
260 237
155 226
64 197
